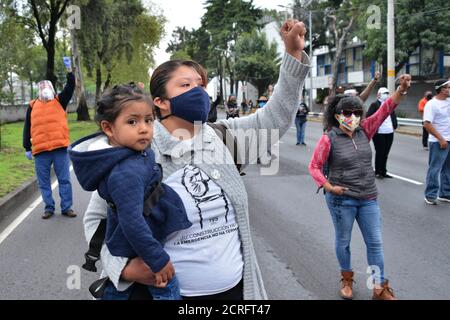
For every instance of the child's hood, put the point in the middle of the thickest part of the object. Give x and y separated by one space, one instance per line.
92 164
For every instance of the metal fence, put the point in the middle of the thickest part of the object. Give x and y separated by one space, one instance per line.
401 121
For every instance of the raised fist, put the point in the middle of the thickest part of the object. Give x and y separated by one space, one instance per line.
293 33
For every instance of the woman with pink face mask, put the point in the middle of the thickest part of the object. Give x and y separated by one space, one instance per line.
351 192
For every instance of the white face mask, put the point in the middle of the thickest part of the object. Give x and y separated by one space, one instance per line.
47 94
351 123
384 96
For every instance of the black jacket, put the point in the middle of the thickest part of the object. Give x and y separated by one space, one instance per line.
212 116
374 108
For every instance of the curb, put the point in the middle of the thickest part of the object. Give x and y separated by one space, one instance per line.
17 197
20 196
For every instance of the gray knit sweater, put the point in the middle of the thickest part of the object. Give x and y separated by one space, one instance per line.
277 114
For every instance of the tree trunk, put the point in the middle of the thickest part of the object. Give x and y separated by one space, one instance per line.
11 89
50 73
340 42
82 109
31 87
108 80
98 84
221 79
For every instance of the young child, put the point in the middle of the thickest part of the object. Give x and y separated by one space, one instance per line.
121 166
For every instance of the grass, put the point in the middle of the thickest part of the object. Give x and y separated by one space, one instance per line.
15 169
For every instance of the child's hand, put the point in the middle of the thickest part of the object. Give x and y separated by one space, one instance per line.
164 275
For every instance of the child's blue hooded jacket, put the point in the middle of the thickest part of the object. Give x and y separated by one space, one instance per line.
125 177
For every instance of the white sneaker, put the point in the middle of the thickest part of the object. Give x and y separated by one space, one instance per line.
431 201
444 199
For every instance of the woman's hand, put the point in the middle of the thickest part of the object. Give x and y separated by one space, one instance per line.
405 82
138 271
293 33
336 190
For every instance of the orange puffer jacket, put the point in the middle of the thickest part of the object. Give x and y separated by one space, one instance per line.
49 128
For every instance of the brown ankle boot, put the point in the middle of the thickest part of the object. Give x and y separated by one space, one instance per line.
383 292
346 291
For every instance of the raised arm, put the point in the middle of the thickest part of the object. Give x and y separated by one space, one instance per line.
371 124
282 106
366 93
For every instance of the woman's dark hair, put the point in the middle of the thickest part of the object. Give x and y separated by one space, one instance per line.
340 102
111 103
163 74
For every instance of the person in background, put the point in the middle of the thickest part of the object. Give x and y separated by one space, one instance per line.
384 138
232 108
300 123
250 106
421 107
212 116
244 106
262 101
46 138
437 122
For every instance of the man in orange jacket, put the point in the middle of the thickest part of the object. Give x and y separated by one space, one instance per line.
421 107
46 137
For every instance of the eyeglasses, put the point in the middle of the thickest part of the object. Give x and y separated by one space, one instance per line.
348 113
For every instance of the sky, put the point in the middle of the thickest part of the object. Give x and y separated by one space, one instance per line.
187 14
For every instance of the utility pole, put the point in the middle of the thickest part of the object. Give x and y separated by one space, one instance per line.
391 46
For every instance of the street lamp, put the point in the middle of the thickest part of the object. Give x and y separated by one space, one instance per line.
285 11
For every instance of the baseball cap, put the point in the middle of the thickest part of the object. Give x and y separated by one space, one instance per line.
383 90
441 83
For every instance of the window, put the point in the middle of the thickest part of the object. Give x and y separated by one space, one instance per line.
358 65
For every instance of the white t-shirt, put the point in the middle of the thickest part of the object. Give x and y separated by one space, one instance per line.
438 113
386 127
213 237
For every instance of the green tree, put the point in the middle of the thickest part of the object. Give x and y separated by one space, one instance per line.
224 21
106 35
258 61
146 35
418 23
43 18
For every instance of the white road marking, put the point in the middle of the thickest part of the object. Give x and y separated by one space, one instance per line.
406 179
25 214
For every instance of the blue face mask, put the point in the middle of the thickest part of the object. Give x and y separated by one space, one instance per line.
192 106
262 104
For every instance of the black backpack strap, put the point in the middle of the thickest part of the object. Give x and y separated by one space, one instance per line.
154 196
223 132
95 246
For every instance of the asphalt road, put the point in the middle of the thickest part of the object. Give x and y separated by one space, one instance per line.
292 231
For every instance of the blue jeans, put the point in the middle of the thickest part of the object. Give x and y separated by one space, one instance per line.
170 292
61 163
301 128
438 176
344 210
